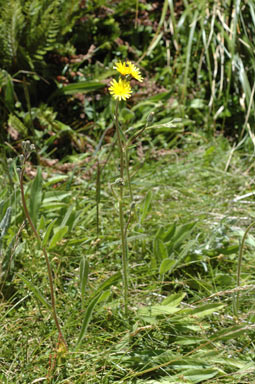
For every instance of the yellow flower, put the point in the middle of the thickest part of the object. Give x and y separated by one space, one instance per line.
134 72
128 69
120 89
122 68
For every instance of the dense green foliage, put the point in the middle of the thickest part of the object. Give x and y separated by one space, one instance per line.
188 128
54 52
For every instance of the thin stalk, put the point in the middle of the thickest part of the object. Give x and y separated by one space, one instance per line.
188 56
98 195
128 174
50 277
240 258
120 145
121 214
124 257
234 12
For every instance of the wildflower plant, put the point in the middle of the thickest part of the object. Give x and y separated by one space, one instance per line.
121 90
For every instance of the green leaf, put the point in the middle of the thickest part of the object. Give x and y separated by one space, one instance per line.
58 236
149 314
84 273
189 340
230 333
48 233
9 96
159 249
126 116
174 299
87 317
146 206
67 216
42 224
181 233
5 222
169 233
17 124
168 307
166 266
107 283
35 291
204 310
82 87
199 375
55 180
105 296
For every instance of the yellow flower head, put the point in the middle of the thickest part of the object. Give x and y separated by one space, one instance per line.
128 69
134 72
120 90
122 68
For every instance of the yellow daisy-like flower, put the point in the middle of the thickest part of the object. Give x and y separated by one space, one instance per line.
120 89
122 68
134 71
128 69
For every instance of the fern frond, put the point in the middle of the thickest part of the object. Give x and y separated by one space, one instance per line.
42 27
11 28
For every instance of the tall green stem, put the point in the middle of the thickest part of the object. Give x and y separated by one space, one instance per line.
128 173
121 215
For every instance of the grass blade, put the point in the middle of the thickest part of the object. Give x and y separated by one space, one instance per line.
58 236
84 273
87 318
188 55
35 291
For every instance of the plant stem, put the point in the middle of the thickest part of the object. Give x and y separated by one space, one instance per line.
98 185
50 277
119 144
240 258
121 215
128 174
124 257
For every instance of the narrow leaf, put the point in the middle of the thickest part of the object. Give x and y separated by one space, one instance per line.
174 299
230 333
4 224
35 291
84 273
159 249
87 318
107 283
166 266
169 233
82 87
146 206
204 310
48 232
199 375
58 236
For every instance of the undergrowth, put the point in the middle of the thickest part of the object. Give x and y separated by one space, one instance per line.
183 249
